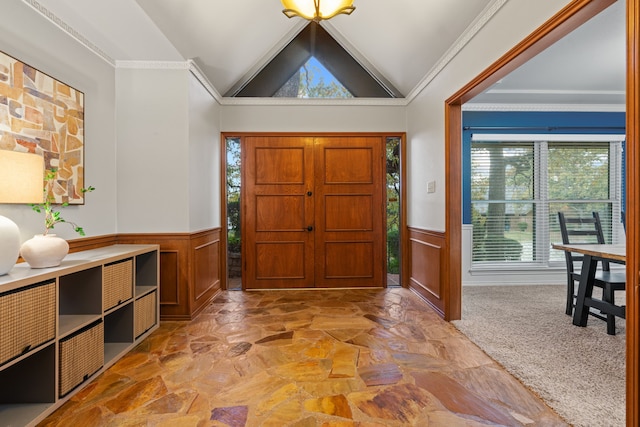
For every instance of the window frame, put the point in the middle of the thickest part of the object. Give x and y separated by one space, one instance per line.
541 199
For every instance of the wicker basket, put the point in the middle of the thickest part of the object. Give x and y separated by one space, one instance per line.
118 283
27 319
145 314
81 355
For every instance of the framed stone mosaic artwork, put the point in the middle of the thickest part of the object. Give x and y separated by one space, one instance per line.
41 115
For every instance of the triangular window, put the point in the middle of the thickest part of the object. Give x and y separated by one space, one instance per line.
313 65
313 80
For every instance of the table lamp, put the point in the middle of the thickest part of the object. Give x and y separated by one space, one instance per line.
21 181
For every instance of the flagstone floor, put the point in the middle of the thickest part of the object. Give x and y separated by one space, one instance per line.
366 358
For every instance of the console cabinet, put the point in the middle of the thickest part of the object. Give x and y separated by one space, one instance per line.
60 327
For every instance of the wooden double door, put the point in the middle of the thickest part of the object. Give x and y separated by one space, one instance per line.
313 212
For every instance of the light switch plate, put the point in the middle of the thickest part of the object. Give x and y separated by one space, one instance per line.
431 187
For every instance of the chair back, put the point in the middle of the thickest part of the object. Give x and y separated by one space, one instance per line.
581 230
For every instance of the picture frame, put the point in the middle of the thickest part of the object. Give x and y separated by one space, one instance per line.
42 115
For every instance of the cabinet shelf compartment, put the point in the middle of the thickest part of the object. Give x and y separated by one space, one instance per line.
143 290
81 292
81 356
118 283
28 388
28 319
147 270
71 323
118 332
145 313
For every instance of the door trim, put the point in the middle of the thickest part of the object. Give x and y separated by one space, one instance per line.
569 18
633 213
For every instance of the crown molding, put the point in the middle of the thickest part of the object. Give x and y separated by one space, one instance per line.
190 65
386 102
204 81
69 30
461 42
554 92
596 108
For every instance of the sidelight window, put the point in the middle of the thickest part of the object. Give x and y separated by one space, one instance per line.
233 187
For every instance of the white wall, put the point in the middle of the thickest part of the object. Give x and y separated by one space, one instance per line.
152 154
204 158
425 139
313 118
168 151
32 39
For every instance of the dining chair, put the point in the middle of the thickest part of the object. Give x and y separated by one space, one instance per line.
589 231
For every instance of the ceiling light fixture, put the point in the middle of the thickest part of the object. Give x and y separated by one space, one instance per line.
317 10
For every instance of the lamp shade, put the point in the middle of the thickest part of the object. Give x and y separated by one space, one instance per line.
317 10
21 181
21 177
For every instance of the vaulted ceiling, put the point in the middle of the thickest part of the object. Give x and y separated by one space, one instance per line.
401 42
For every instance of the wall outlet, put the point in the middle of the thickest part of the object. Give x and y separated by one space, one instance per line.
431 187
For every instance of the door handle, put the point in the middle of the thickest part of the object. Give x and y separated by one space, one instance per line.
309 193
310 228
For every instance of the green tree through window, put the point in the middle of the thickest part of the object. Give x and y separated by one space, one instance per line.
517 188
313 80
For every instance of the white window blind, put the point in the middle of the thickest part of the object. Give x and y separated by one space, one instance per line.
519 183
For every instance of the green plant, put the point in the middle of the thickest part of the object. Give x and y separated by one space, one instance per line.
234 244
52 216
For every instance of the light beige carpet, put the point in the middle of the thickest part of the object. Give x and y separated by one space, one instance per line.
579 372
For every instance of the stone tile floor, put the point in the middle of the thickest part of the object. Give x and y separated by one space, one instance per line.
307 358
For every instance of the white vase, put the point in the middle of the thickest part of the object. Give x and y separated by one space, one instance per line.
43 251
9 244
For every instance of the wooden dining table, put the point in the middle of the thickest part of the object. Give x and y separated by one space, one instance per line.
593 253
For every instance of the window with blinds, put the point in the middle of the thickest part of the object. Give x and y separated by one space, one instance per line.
519 183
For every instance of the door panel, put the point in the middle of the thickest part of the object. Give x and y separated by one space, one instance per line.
280 260
345 165
275 165
314 212
276 247
280 213
355 212
349 260
349 183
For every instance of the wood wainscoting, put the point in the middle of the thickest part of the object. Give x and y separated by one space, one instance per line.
190 273
426 267
189 270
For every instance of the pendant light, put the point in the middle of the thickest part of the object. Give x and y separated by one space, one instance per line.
317 10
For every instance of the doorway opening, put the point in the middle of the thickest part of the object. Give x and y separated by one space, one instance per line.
394 222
